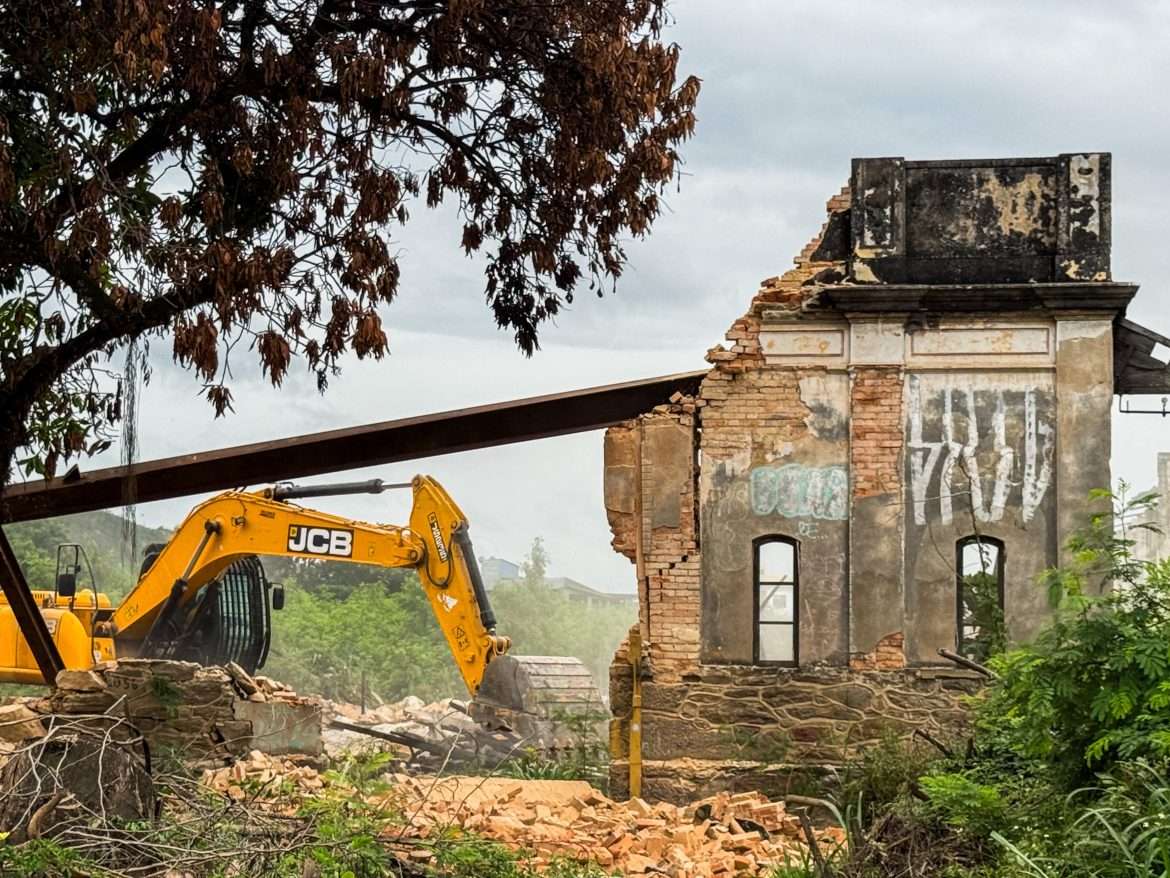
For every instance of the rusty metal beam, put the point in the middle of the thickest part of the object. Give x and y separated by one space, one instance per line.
353 448
27 613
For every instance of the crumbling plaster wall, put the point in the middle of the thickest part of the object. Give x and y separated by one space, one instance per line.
650 499
877 441
775 460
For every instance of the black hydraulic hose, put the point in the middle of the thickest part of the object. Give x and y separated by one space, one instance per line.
166 614
462 539
289 491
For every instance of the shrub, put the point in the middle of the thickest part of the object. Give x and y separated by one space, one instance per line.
1094 687
958 801
883 774
1127 831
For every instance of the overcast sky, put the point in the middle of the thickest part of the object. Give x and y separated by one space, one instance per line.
791 92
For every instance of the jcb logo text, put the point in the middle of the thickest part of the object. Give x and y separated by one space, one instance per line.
320 540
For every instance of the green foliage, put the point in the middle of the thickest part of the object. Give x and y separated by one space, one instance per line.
535 565
1087 702
341 621
1127 832
1121 831
335 580
883 774
99 533
468 856
981 600
541 621
42 858
1094 687
958 801
323 645
363 771
795 867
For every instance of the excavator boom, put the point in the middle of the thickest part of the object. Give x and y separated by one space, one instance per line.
203 596
221 537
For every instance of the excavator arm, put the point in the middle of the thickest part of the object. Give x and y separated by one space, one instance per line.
239 524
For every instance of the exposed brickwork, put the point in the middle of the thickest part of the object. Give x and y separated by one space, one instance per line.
740 406
788 292
668 586
751 409
723 717
876 431
670 563
888 655
622 460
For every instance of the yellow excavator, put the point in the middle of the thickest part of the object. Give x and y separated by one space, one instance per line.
203 596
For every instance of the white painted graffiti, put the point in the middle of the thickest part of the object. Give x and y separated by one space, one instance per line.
957 458
798 491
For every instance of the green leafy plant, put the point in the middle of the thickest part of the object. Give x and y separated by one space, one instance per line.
1094 687
962 803
981 599
1127 831
885 772
42 858
469 856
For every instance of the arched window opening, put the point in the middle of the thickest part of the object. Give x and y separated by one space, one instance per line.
981 632
776 587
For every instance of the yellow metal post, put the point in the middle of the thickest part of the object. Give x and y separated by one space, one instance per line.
636 713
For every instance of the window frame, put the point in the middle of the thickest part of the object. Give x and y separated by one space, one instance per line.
999 572
757 544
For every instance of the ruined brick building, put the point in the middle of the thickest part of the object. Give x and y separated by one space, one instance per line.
930 387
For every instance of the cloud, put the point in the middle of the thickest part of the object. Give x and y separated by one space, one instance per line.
791 92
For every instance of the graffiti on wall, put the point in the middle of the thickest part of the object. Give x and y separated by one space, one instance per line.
991 447
798 491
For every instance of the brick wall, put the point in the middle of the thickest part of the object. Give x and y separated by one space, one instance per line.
876 431
888 655
665 543
670 557
738 401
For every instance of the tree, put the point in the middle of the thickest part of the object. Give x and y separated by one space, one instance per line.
232 173
535 564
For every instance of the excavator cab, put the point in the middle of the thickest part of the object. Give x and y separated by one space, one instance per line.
228 621
70 559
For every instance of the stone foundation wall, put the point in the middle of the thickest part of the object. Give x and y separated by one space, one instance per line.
198 714
739 728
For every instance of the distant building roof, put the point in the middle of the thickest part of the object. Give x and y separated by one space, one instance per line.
497 570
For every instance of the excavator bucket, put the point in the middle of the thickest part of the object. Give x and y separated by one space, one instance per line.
549 700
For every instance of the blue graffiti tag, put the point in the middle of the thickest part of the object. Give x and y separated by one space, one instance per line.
798 491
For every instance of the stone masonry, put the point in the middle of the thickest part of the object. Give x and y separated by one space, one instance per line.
201 715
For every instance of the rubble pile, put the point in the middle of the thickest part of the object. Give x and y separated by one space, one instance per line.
441 732
741 834
277 782
725 835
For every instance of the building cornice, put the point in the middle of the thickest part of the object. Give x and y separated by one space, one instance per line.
1097 297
